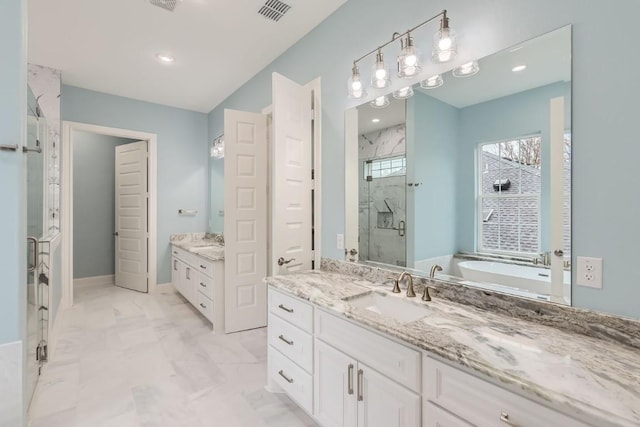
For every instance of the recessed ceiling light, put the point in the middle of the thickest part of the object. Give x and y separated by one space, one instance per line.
375 120
165 58
518 68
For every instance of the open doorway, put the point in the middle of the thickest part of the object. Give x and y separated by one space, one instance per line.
109 220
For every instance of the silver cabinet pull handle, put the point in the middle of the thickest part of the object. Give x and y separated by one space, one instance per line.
504 417
282 338
175 265
203 266
202 305
289 380
288 310
281 261
188 273
360 385
203 285
30 267
175 252
350 378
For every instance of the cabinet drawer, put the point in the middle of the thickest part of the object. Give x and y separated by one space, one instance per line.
205 306
434 416
294 343
205 285
293 310
294 380
204 266
484 404
388 357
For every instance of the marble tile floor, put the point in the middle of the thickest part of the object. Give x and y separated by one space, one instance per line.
129 359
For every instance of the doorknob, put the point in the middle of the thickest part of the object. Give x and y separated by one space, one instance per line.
353 252
558 252
282 262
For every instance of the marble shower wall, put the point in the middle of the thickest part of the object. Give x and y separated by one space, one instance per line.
45 84
382 201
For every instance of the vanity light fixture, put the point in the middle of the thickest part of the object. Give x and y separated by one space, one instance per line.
380 102
380 75
403 93
445 45
165 58
409 60
519 68
217 148
355 86
432 82
466 70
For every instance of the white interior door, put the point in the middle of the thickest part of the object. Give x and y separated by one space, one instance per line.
132 197
245 220
292 184
559 291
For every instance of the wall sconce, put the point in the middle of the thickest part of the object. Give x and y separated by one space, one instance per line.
409 60
217 148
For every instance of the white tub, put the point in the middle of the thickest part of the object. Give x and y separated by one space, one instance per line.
535 280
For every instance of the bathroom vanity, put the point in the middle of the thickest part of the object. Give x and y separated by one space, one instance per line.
351 353
197 272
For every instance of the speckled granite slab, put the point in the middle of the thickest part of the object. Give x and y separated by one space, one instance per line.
581 375
203 244
615 329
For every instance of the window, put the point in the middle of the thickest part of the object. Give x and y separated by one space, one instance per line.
382 168
509 195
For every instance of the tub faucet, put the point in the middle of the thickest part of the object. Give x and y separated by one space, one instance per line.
434 268
410 292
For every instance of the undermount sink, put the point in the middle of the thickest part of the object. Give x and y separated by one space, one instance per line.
398 308
210 248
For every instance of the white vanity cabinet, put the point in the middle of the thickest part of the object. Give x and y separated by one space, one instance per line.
454 398
201 282
363 379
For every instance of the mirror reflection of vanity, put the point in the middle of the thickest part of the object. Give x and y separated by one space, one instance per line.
471 173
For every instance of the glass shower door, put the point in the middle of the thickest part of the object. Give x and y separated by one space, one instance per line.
37 270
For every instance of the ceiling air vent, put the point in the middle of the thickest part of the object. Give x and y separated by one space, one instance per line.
274 9
169 5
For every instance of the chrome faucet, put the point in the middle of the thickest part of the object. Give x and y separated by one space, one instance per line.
410 292
544 258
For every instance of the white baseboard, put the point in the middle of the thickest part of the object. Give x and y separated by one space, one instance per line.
95 280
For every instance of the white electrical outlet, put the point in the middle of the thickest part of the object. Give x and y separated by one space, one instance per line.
590 272
340 241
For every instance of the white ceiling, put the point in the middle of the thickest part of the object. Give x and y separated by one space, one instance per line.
110 45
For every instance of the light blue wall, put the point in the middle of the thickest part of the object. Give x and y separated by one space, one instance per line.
182 156
94 175
432 141
603 109
521 114
13 215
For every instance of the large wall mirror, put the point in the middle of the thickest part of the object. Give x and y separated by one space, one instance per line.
470 173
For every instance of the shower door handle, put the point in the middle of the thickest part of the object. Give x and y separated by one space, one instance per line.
31 268
402 228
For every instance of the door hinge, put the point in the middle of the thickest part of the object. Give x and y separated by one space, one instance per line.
41 352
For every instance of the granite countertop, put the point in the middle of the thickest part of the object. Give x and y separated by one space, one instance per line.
201 244
578 374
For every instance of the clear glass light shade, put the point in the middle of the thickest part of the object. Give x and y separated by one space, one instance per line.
217 150
355 87
403 93
466 70
432 82
380 75
409 60
445 45
380 102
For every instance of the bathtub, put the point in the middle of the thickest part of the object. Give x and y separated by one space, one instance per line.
534 280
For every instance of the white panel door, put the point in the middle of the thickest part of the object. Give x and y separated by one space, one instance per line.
131 216
559 292
292 184
384 403
335 402
245 220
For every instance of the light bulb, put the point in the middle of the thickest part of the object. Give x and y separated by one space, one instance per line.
444 56
381 74
356 85
410 60
444 42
